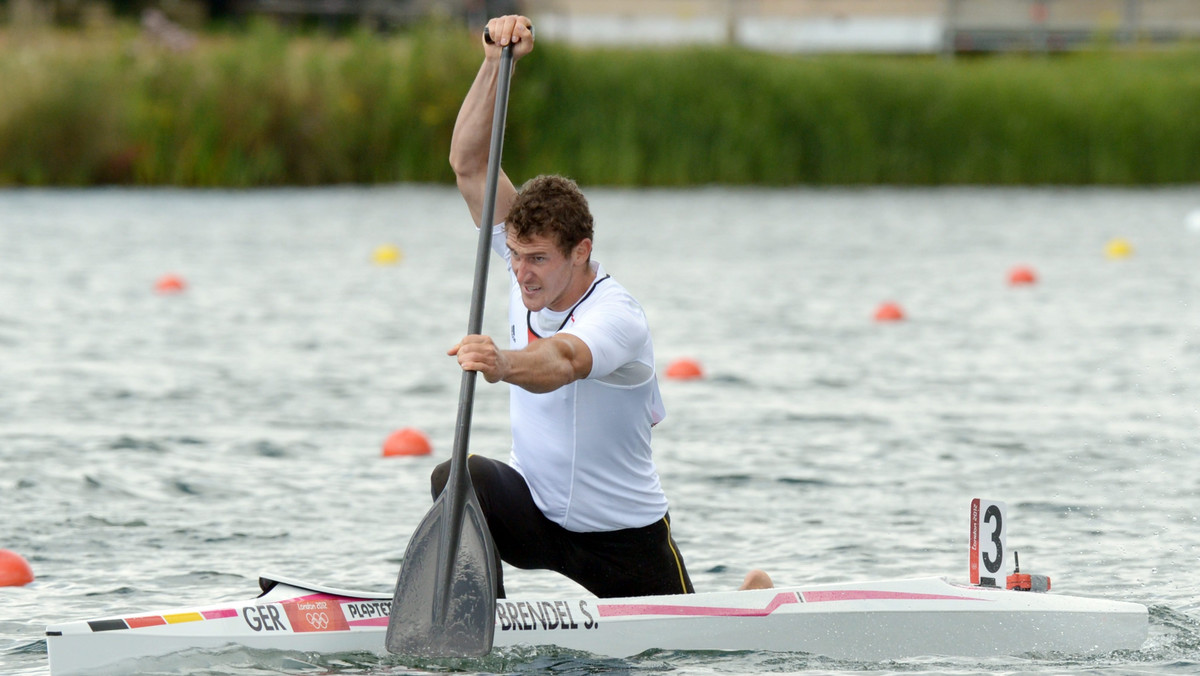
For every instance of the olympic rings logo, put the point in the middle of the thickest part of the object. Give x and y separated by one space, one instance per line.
317 620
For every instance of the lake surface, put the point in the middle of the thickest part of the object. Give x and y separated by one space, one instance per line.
164 449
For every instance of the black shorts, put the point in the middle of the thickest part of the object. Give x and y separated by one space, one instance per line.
629 562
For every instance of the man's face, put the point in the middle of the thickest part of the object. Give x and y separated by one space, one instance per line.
547 277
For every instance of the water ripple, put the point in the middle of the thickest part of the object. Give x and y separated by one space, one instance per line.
160 450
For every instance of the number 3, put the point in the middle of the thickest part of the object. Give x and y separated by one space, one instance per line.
993 514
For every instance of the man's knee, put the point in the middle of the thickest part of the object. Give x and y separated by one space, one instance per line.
479 467
438 478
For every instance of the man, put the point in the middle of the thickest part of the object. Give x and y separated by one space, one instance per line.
580 495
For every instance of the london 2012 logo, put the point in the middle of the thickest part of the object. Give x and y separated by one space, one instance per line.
316 615
318 621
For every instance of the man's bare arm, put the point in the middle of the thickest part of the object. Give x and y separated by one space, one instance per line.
543 366
471 141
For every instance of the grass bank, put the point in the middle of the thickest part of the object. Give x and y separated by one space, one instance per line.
264 108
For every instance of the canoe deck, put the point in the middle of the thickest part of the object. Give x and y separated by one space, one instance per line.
869 621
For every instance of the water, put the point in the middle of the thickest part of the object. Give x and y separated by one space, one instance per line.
160 450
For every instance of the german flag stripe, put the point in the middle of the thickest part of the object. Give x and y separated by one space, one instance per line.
156 620
107 625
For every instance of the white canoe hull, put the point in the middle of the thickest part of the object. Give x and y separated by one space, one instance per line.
857 621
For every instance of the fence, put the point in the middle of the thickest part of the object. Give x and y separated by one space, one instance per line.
918 26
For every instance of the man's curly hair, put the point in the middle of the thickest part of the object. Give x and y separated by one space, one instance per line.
551 206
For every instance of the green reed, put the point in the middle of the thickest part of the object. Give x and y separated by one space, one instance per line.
262 107
725 116
259 108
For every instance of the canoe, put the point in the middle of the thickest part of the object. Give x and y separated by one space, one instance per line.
870 621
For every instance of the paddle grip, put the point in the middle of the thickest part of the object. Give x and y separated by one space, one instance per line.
487 35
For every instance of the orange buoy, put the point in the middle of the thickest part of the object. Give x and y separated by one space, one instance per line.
889 312
14 570
407 441
685 369
1021 275
170 284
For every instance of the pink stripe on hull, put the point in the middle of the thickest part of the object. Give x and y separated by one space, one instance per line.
614 610
320 596
218 614
868 595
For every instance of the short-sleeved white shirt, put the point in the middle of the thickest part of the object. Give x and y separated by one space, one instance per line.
584 449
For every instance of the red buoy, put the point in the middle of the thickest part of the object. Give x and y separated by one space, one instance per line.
170 284
889 312
1021 275
14 570
685 369
407 441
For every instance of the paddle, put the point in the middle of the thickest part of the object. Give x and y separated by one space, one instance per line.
445 599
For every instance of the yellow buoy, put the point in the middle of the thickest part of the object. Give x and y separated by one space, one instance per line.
1118 248
386 254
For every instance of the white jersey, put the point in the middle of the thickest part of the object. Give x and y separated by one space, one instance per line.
584 449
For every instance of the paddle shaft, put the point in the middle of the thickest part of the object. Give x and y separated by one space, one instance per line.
459 482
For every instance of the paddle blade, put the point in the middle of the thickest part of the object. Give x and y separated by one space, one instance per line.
460 623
